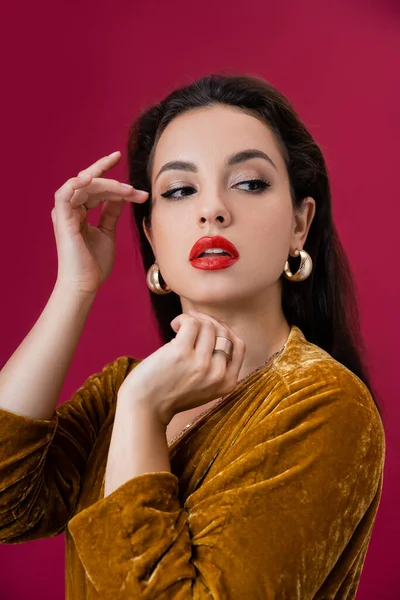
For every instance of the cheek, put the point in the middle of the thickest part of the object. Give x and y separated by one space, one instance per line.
170 235
268 236
171 222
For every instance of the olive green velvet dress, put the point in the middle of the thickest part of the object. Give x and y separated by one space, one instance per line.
272 495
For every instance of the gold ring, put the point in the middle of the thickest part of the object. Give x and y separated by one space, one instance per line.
225 345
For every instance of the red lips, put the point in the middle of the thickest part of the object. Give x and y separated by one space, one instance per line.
216 241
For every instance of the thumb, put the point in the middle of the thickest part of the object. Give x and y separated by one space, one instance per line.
176 323
110 213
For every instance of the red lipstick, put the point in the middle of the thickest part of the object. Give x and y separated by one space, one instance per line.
215 260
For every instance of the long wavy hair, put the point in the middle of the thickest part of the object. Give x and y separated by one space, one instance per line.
325 305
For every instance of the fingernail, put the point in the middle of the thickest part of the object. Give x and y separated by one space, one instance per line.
142 193
127 186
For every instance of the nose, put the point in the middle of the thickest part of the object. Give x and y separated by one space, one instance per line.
212 210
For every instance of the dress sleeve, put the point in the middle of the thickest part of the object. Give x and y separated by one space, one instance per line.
42 461
270 520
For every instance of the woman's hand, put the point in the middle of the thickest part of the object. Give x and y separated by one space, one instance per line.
184 373
86 253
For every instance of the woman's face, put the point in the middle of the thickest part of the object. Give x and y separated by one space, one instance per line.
217 199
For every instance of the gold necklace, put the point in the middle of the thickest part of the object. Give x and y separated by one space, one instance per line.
204 413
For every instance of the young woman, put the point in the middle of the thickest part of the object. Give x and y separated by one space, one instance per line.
244 458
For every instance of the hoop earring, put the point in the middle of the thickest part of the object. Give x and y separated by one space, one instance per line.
304 269
153 281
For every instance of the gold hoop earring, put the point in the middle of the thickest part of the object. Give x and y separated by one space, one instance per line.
153 281
304 269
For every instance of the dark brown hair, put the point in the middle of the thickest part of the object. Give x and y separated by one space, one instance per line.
324 306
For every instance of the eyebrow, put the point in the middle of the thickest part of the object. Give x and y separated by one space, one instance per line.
232 159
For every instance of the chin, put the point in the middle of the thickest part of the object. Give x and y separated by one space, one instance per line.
212 296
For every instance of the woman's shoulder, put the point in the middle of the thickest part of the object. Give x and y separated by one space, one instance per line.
304 365
318 392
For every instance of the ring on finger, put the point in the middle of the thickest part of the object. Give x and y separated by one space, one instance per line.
224 345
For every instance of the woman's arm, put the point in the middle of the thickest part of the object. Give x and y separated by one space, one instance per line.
138 443
42 461
32 378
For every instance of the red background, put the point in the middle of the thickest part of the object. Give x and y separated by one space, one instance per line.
74 76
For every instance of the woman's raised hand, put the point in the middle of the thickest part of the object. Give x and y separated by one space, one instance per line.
184 373
86 253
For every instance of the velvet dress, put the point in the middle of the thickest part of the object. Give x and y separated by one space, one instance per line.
273 493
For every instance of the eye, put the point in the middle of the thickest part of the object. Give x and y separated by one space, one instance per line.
263 186
169 196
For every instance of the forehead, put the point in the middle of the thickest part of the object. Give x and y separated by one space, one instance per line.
207 135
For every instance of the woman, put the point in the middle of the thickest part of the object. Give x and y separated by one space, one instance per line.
244 458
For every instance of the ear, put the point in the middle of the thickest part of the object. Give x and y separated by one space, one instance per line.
303 217
148 234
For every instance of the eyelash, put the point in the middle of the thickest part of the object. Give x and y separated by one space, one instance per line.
265 185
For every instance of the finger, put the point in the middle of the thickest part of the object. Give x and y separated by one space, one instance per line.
92 201
110 213
177 322
220 325
187 331
220 360
105 163
233 366
64 194
202 315
106 189
98 168
205 344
